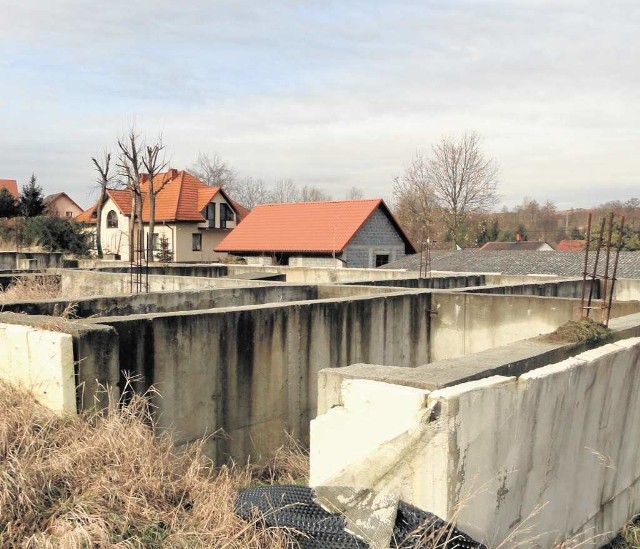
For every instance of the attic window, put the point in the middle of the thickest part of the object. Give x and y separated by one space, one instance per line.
112 220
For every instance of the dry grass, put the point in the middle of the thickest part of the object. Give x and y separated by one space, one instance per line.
107 481
29 288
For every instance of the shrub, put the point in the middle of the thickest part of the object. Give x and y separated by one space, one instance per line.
55 235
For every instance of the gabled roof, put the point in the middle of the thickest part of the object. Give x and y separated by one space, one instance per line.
50 198
11 185
531 245
571 246
182 197
321 227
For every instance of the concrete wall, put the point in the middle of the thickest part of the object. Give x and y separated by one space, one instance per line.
252 371
436 282
467 323
534 460
80 283
10 260
626 289
40 360
157 302
199 270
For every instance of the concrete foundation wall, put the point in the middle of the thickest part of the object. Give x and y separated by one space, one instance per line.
535 460
252 371
467 323
76 282
158 302
40 360
316 275
16 260
198 270
436 282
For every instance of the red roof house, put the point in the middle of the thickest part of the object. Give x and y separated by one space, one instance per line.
191 215
356 233
11 185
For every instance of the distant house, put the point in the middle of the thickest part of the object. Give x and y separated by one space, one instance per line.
351 233
12 186
61 205
571 246
192 216
527 245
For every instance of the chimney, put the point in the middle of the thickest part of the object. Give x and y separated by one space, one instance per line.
173 173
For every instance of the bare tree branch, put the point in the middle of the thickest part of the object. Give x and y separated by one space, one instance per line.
102 166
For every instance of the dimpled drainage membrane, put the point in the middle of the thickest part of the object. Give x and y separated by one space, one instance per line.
293 507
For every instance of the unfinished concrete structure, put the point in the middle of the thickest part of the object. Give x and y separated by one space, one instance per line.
432 378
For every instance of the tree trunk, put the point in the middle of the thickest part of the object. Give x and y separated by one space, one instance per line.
132 227
152 220
101 200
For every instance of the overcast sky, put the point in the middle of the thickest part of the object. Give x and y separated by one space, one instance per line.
333 94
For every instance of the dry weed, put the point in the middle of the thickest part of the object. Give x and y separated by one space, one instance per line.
29 288
107 481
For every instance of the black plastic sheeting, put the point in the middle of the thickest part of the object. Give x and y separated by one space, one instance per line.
294 508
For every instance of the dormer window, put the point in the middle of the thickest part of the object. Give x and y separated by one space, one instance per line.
226 214
112 220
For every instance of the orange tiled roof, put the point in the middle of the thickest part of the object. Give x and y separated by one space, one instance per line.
11 185
303 227
571 246
88 216
182 198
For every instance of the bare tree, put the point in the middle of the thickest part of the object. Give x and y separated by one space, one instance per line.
354 193
285 191
309 193
250 192
462 179
414 201
102 166
214 171
129 170
154 165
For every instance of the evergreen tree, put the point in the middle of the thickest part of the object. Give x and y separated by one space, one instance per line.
32 199
8 204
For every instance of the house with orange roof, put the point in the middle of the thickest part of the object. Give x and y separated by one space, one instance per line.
61 205
12 187
192 216
346 233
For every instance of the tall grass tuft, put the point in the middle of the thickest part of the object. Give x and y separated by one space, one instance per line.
30 287
105 480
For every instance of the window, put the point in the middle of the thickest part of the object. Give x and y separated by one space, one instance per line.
196 242
382 259
226 214
112 220
155 241
69 214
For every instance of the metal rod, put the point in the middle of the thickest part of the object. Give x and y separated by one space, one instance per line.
595 265
606 269
615 271
584 270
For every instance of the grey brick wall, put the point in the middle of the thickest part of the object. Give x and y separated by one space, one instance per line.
377 236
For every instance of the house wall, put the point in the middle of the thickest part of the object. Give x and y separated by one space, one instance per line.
377 236
184 244
61 206
116 240
306 261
